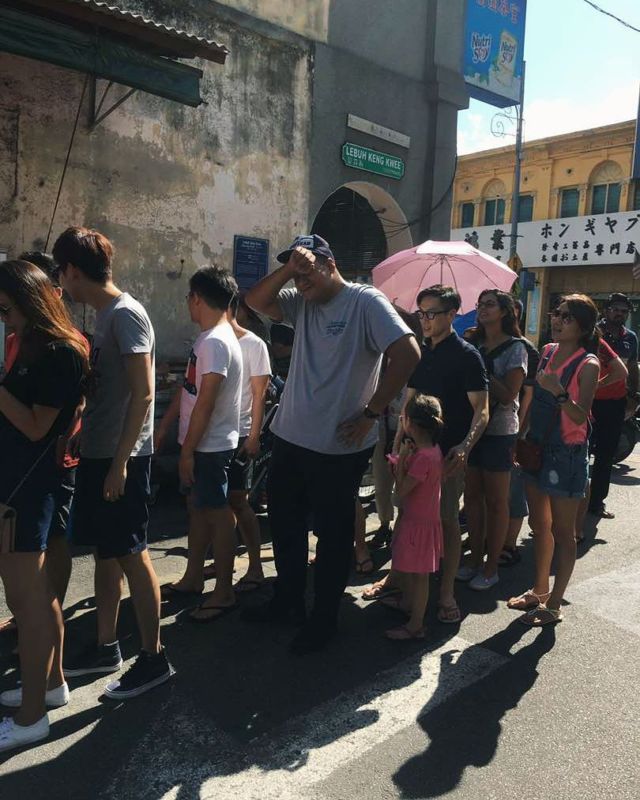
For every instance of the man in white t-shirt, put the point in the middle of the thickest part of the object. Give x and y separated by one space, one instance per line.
209 410
256 370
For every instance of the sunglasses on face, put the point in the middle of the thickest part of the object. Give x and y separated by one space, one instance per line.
430 315
565 316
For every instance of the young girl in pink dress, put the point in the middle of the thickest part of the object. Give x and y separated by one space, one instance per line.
417 537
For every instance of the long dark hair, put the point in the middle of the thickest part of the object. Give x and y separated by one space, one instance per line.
584 311
35 297
425 411
510 324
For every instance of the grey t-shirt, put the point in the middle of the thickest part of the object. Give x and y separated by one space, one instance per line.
122 328
335 364
504 418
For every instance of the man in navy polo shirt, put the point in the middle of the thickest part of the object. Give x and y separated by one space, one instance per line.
610 404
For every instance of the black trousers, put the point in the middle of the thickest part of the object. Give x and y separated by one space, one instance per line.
304 485
608 418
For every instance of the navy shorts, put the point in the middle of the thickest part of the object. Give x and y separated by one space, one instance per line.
564 472
114 529
63 498
211 472
493 453
241 470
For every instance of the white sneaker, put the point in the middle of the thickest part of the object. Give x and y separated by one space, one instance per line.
466 573
12 735
481 583
54 698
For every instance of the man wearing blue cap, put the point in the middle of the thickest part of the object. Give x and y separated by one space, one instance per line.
326 425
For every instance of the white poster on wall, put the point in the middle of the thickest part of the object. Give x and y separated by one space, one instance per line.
570 242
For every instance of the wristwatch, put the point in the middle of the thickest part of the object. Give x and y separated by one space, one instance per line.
369 414
562 397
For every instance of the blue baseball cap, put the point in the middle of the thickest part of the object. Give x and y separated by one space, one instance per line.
313 242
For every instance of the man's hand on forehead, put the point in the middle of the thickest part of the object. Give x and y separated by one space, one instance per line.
302 260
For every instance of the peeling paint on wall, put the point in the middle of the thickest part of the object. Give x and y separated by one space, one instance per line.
164 181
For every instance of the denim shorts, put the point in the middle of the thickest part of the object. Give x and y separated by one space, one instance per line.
211 473
115 529
493 453
564 471
518 508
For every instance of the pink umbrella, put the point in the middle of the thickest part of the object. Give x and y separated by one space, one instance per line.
402 276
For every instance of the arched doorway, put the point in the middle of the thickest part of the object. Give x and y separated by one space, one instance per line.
364 225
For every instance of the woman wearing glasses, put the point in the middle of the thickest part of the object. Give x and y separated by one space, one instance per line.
38 398
558 424
486 496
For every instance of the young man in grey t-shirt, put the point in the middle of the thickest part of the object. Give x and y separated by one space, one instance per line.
112 482
326 425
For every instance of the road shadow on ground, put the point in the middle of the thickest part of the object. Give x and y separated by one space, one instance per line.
465 729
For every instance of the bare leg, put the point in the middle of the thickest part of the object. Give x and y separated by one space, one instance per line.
145 595
109 583
583 505
362 551
31 602
474 506
513 531
199 541
540 515
563 510
419 599
249 531
220 523
496 485
450 561
58 563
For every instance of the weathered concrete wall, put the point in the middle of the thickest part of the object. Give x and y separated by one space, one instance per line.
164 181
306 17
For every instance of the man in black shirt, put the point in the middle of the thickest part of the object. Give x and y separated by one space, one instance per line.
453 371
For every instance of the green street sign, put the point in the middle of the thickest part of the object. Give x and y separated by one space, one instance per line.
358 157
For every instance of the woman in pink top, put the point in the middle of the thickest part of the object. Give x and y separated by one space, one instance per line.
559 425
417 536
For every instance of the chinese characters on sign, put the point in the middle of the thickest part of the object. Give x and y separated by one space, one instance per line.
598 239
250 260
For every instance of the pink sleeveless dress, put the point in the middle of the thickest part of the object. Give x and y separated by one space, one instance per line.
417 538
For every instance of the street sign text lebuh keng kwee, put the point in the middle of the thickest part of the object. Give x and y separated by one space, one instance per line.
358 157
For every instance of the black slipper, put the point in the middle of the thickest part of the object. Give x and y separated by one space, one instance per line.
169 591
509 557
360 566
224 610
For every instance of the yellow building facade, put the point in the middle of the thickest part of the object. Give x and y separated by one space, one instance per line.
582 179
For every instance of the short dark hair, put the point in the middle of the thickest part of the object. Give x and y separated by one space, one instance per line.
215 285
618 297
43 261
282 334
447 295
234 304
88 250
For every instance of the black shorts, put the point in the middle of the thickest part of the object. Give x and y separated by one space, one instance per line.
63 498
493 453
113 529
241 470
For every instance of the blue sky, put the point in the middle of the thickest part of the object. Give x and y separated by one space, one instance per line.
583 70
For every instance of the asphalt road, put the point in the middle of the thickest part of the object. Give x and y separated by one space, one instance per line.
486 709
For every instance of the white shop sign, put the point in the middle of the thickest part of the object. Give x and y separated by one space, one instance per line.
569 242
379 131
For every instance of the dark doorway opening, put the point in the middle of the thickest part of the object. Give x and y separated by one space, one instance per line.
354 232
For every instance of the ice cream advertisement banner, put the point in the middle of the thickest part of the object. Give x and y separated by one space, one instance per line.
494 49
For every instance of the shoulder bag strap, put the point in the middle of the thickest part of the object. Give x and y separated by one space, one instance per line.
30 471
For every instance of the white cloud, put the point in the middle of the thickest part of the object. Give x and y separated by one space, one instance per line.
549 117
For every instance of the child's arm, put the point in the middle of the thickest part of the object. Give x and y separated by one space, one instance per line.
405 483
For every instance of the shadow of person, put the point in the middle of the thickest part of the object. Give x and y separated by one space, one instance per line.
464 730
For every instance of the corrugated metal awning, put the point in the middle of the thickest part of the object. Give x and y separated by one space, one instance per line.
154 37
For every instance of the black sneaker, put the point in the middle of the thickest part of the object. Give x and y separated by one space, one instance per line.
98 659
147 671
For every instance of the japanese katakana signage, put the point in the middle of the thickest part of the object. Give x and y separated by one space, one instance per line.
493 50
574 241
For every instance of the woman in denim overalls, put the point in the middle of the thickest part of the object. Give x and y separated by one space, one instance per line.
558 421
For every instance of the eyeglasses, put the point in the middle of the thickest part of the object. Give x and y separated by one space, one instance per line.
486 304
618 310
430 315
4 310
565 316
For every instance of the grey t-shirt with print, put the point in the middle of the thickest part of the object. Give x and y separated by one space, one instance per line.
504 417
122 328
335 364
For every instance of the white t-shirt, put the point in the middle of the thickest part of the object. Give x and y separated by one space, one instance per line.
255 364
214 351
